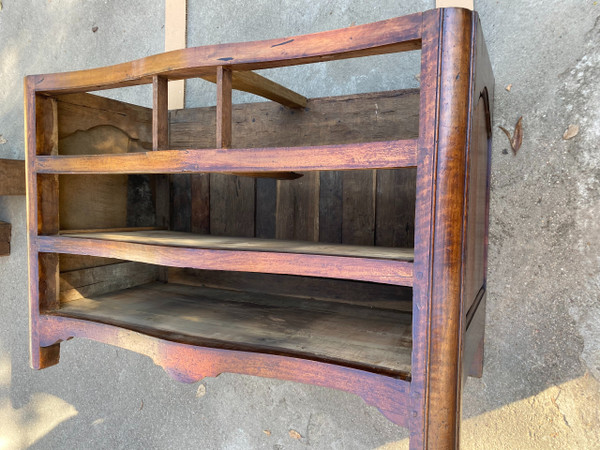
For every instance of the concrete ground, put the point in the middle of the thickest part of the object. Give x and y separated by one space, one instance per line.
540 387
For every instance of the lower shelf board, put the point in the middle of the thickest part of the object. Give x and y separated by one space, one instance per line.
373 339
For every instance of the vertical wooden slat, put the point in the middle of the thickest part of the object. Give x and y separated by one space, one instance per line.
223 107
297 213
181 199
232 198
423 223
395 211
160 113
330 207
232 203
358 208
200 203
266 206
41 125
160 141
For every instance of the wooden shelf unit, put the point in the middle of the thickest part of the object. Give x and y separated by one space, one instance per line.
315 241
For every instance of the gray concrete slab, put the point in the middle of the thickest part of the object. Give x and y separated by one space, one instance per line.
540 386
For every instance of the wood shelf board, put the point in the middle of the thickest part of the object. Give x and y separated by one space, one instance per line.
370 155
190 240
369 338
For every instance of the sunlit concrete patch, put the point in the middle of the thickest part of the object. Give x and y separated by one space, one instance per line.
562 417
22 427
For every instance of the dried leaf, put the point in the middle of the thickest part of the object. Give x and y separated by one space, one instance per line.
294 434
509 87
571 132
267 432
0 5
94 29
517 138
2 140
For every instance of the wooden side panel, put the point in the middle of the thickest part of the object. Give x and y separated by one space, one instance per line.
477 217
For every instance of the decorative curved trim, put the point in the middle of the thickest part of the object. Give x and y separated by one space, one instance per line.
387 36
189 364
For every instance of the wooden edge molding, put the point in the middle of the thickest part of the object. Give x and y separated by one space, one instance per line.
190 364
387 36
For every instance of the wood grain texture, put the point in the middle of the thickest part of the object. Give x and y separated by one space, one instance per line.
297 209
256 84
390 154
358 207
12 177
424 207
232 205
5 231
395 208
189 240
346 119
266 323
354 268
190 364
223 137
83 112
444 381
89 282
388 36
372 295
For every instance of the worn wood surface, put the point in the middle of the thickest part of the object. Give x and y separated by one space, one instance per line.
387 36
5 231
190 364
188 240
82 112
373 207
12 177
368 338
41 137
326 266
103 279
373 295
256 84
387 154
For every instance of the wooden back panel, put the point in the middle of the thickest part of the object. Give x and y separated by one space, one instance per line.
353 207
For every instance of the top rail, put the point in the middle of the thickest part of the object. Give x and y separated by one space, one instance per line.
387 36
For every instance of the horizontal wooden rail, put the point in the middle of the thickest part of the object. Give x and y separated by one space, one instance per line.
256 84
348 268
387 36
371 155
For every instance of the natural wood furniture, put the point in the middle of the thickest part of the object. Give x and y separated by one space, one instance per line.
339 241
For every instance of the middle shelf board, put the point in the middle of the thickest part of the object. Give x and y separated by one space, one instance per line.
189 240
373 339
